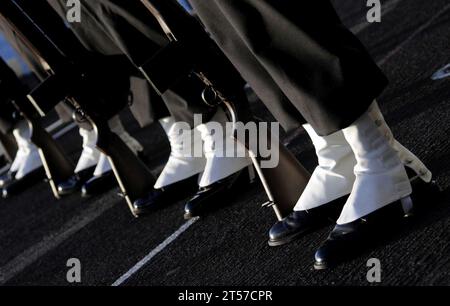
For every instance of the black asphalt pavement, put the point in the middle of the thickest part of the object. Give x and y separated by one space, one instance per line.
229 247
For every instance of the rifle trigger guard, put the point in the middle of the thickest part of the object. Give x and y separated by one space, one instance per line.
210 97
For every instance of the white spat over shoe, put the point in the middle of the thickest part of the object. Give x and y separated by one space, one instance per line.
182 163
381 178
103 165
221 151
27 158
333 178
407 158
90 155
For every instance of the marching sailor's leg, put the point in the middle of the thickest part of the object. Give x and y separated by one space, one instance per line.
333 179
381 180
27 166
103 177
326 191
182 163
86 163
90 155
224 166
17 160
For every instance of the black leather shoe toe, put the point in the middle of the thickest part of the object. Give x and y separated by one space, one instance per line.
293 226
215 195
75 182
197 204
153 201
99 184
299 223
14 186
6 178
344 242
72 185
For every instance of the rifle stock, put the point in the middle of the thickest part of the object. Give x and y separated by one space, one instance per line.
58 167
133 176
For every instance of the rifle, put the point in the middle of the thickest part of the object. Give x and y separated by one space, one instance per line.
170 64
80 77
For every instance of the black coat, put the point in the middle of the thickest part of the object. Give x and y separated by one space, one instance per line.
94 34
138 35
296 55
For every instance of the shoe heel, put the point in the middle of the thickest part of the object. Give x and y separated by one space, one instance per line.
407 206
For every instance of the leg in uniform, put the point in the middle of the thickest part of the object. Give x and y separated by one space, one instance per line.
138 35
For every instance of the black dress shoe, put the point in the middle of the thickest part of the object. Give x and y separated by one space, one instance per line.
6 178
215 195
99 184
348 240
300 223
293 226
154 200
75 182
344 241
159 198
14 186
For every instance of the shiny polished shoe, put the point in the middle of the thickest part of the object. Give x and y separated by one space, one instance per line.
14 187
162 197
75 182
344 241
213 196
300 223
154 200
6 178
99 184
350 239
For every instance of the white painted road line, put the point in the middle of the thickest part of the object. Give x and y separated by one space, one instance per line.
154 252
442 73
53 240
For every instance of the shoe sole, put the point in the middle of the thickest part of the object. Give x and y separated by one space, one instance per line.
276 243
234 180
189 216
321 266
